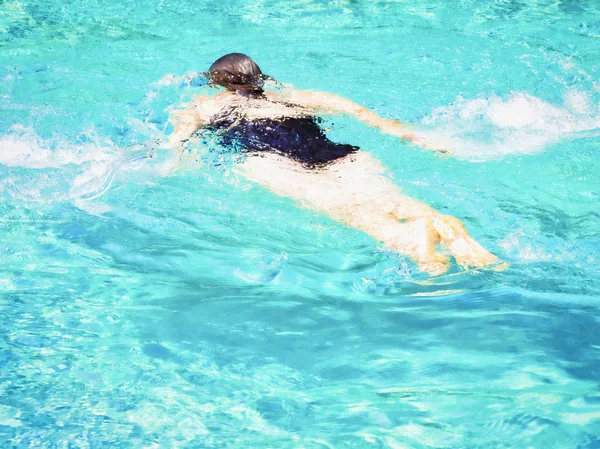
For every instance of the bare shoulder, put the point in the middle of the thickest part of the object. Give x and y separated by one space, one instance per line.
207 106
318 101
300 97
205 100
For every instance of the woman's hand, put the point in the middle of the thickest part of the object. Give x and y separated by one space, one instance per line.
433 142
185 122
424 138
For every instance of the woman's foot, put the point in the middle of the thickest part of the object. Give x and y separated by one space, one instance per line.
419 241
466 251
434 268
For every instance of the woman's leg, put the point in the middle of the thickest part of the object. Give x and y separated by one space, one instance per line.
355 191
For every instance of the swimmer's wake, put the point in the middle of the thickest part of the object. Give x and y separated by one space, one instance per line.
99 185
520 123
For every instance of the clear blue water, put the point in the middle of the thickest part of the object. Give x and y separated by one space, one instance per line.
142 309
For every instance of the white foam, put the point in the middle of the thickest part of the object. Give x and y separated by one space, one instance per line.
175 80
87 170
22 147
579 102
98 178
520 123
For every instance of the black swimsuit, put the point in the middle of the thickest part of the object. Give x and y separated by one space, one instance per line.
299 138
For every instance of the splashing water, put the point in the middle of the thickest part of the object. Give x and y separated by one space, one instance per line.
143 306
521 124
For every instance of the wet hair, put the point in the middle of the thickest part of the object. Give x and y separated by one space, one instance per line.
237 72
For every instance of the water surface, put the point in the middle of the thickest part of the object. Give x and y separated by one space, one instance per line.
142 309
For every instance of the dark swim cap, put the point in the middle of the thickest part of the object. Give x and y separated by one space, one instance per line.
236 70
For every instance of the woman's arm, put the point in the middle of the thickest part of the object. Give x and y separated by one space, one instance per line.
185 122
196 115
334 104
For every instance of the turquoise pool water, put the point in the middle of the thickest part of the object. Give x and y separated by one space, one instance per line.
140 309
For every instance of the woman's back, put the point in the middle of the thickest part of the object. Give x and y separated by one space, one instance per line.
259 123
269 105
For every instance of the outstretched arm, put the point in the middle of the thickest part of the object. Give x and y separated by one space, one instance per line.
185 122
196 115
335 104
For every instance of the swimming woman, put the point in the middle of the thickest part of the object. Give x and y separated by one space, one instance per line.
287 152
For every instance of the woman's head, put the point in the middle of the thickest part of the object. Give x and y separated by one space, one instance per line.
236 72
